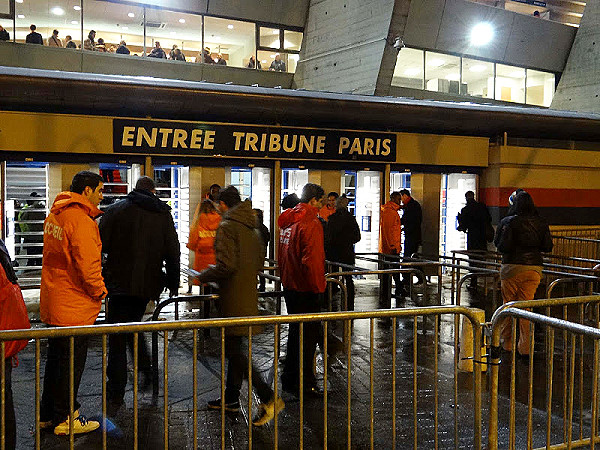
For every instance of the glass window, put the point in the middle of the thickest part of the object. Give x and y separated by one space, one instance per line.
409 69
241 178
477 78
7 25
5 7
269 37
292 40
233 40
48 16
442 73
540 87
278 62
510 83
113 23
178 35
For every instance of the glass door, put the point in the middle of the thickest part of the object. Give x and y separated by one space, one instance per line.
292 181
452 200
119 180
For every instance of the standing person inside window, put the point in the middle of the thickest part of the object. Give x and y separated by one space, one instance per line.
54 41
34 37
278 65
521 238
69 42
4 35
71 294
89 43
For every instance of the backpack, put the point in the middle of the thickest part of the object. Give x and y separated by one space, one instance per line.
13 312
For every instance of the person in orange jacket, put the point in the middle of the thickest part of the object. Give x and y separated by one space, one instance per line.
329 208
71 293
202 236
390 242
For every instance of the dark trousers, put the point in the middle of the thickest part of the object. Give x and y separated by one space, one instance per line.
55 398
122 309
9 409
410 247
237 370
385 284
300 303
349 282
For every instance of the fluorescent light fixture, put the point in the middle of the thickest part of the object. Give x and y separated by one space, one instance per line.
173 33
411 72
275 31
517 74
453 77
481 34
181 20
20 16
230 26
74 22
57 11
272 56
132 15
124 28
264 61
77 8
19 1
477 68
435 62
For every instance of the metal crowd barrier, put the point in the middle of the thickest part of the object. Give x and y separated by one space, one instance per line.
582 247
378 368
541 428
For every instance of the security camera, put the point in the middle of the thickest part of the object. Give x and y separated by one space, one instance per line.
398 43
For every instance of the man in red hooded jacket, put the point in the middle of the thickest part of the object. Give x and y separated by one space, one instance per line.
302 268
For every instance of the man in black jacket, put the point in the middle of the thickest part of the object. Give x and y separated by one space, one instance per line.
34 37
138 235
412 217
474 219
341 233
4 35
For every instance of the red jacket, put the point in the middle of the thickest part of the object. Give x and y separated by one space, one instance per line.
325 212
389 235
301 250
72 286
202 240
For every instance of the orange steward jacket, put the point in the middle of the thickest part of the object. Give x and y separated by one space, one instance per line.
390 238
72 286
325 212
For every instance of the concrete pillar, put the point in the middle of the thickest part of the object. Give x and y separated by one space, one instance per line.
329 180
67 172
579 87
425 188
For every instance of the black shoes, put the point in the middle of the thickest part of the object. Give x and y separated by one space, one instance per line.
229 406
310 390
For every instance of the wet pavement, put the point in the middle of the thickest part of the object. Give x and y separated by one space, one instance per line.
454 415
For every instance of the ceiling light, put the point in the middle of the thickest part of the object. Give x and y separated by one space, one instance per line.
20 16
477 68
77 8
435 62
74 22
230 26
173 33
272 56
412 71
125 28
181 20
131 15
481 34
264 61
453 77
57 11
19 1
275 31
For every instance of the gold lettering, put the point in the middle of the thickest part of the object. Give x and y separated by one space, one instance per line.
320 144
179 137
344 144
238 139
263 142
287 148
165 136
142 134
386 145
274 143
355 147
209 140
304 143
369 143
127 140
251 140
196 139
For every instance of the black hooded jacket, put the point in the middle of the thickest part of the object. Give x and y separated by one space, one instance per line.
522 238
138 235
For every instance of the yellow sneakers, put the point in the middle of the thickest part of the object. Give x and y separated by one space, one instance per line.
80 425
267 412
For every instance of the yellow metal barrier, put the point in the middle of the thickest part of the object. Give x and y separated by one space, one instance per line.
572 355
407 315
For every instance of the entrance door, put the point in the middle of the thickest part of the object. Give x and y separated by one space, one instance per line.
26 186
254 184
292 181
452 200
119 180
363 191
173 187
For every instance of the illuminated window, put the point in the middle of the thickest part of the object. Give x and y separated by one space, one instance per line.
540 87
409 69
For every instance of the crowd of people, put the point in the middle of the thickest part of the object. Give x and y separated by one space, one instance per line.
142 255
175 54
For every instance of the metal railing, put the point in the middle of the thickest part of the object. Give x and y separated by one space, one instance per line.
378 369
541 429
